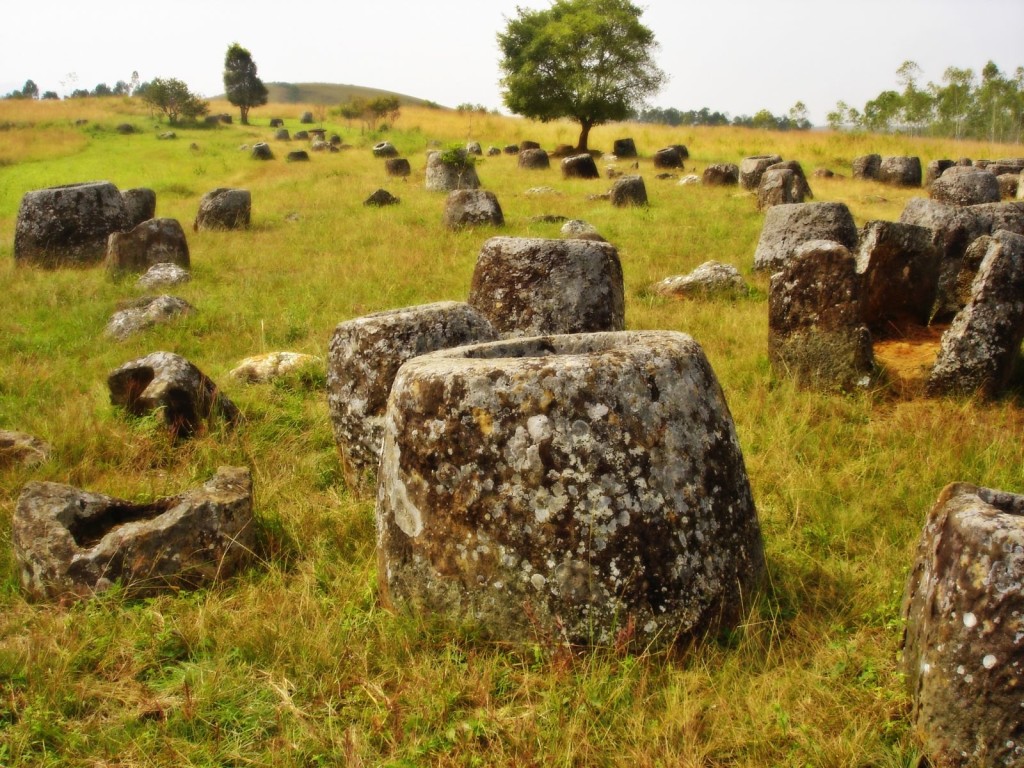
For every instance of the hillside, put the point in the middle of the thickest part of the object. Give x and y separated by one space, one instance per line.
330 93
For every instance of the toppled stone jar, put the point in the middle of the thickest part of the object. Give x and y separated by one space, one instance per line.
70 543
963 646
589 488
164 381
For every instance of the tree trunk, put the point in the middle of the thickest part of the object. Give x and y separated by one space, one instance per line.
581 145
245 115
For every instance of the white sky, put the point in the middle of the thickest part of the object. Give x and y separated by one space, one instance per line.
735 56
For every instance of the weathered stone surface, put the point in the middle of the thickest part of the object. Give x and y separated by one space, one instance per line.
529 145
668 157
577 229
690 180
511 149
969 187
164 274
532 286
800 190
145 312
866 166
70 543
752 168
140 205
276 122
259 369
721 175
397 166
306 118
447 171
534 159
18 448
954 228
815 331
628 190
979 348
590 488
472 207
318 134
900 171
299 155
224 209
381 198
579 167
786 227
385 149
168 382
900 268
493 151
969 266
1020 186
68 225
321 146
775 188
935 169
993 217
473 148
262 151
166 136
963 646
283 135
301 135
824 173
710 279
1008 185
364 356
155 241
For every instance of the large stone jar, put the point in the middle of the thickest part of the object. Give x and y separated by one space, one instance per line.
963 648
588 487
68 225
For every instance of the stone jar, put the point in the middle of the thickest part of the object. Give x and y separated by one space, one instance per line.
364 356
585 488
963 646
71 543
529 286
68 225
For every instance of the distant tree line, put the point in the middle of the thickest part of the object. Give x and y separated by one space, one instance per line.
961 106
121 88
371 111
795 120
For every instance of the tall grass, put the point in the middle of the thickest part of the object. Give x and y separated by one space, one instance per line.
295 663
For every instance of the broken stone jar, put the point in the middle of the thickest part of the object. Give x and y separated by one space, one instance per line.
71 543
578 488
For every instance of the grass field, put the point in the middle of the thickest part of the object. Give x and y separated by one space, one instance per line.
295 663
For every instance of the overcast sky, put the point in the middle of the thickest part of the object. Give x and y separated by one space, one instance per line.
735 56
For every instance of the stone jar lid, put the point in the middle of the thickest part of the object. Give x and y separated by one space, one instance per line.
589 486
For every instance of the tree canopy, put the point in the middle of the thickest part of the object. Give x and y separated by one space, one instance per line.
588 60
172 97
959 107
241 85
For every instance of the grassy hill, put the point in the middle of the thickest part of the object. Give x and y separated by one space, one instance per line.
295 662
330 93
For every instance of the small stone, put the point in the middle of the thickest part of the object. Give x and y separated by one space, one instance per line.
260 369
710 279
164 274
19 448
144 313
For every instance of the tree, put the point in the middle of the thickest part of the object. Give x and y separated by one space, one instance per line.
241 85
30 90
589 60
172 97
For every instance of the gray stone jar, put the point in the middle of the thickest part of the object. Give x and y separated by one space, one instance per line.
585 488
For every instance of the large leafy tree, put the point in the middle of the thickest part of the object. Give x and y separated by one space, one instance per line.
172 97
241 85
588 60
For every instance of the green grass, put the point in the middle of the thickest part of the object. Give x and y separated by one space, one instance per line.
294 663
